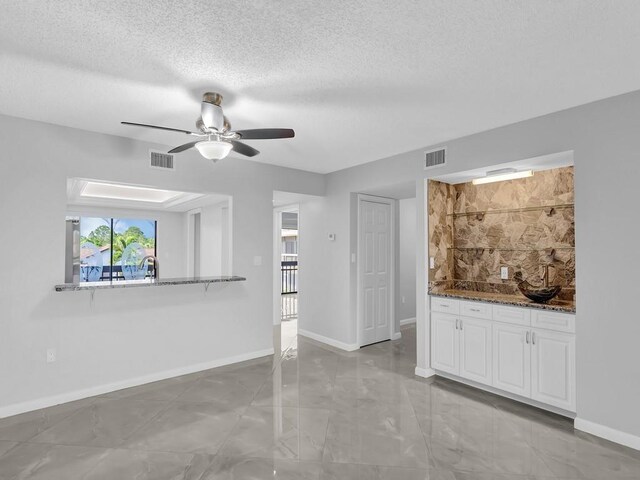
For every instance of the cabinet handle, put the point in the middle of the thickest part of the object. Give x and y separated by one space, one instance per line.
527 338
474 309
460 325
456 324
443 305
533 337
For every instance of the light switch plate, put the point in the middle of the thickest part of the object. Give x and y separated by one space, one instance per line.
51 355
504 273
257 261
432 262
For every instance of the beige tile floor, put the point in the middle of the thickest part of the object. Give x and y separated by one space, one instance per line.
310 412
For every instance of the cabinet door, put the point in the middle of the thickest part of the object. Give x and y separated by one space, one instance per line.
444 343
475 350
553 369
511 359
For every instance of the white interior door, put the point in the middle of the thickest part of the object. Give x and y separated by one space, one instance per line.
375 271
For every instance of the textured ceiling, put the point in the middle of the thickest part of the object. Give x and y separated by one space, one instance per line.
358 80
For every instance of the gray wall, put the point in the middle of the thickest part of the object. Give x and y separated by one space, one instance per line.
605 140
124 335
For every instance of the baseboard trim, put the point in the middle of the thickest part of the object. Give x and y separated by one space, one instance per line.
407 321
509 395
28 406
349 347
424 372
396 336
608 433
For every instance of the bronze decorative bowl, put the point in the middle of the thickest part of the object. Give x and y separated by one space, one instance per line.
539 294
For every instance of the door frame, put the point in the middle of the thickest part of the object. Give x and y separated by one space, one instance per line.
277 233
359 263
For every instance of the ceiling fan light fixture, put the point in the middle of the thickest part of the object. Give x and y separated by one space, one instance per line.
214 149
216 128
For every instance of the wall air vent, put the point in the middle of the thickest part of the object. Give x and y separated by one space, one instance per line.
435 158
160 160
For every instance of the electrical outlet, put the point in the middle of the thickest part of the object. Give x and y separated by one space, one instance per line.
403 299
432 262
504 273
51 355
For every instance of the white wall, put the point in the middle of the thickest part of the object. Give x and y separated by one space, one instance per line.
123 335
407 259
605 141
171 235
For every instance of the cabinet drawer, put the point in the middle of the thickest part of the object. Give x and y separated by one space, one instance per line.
559 322
514 315
445 305
475 310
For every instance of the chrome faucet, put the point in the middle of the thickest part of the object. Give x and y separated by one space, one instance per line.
545 273
156 265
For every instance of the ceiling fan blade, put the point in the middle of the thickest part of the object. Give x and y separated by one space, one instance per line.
265 133
159 127
184 147
243 148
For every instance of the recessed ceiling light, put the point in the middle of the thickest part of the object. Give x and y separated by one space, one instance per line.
127 192
502 175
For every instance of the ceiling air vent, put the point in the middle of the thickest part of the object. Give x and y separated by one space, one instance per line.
161 160
434 158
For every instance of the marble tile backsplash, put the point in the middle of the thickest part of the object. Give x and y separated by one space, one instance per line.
440 208
522 224
547 187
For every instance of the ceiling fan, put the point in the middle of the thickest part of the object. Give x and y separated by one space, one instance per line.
216 139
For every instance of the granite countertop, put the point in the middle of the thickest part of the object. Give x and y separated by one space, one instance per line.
505 299
75 287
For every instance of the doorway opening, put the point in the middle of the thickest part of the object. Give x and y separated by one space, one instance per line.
396 296
289 271
289 278
286 246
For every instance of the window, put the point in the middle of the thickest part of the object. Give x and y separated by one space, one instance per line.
116 248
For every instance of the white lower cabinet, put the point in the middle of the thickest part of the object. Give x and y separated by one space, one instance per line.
444 342
511 359
553 368
475 350
508 351
462 346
